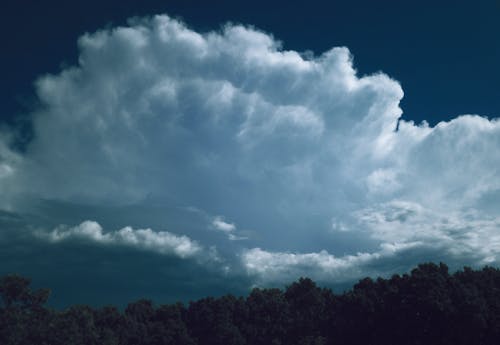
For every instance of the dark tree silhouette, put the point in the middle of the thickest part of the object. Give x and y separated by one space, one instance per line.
268 318
427 306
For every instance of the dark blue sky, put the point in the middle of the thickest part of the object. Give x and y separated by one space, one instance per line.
445 53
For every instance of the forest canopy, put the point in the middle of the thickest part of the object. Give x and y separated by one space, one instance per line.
427 306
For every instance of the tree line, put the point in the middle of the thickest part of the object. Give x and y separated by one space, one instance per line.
427 306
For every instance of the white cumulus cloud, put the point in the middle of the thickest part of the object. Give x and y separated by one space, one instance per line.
161 242
273 267
302 151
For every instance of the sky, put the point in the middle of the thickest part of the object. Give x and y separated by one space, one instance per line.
175 149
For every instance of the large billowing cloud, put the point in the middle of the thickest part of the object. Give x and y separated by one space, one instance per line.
309 159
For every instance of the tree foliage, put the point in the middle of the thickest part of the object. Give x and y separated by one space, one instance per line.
427 306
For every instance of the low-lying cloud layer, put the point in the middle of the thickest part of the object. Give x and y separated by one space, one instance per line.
275 267
308 156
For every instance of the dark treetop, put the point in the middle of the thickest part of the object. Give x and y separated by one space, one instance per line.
428 306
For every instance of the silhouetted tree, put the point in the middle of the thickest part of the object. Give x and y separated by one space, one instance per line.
306 305
427 306
110 325
211 321
169 327
22 316
268 319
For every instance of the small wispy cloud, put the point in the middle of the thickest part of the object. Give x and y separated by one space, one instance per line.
219 224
